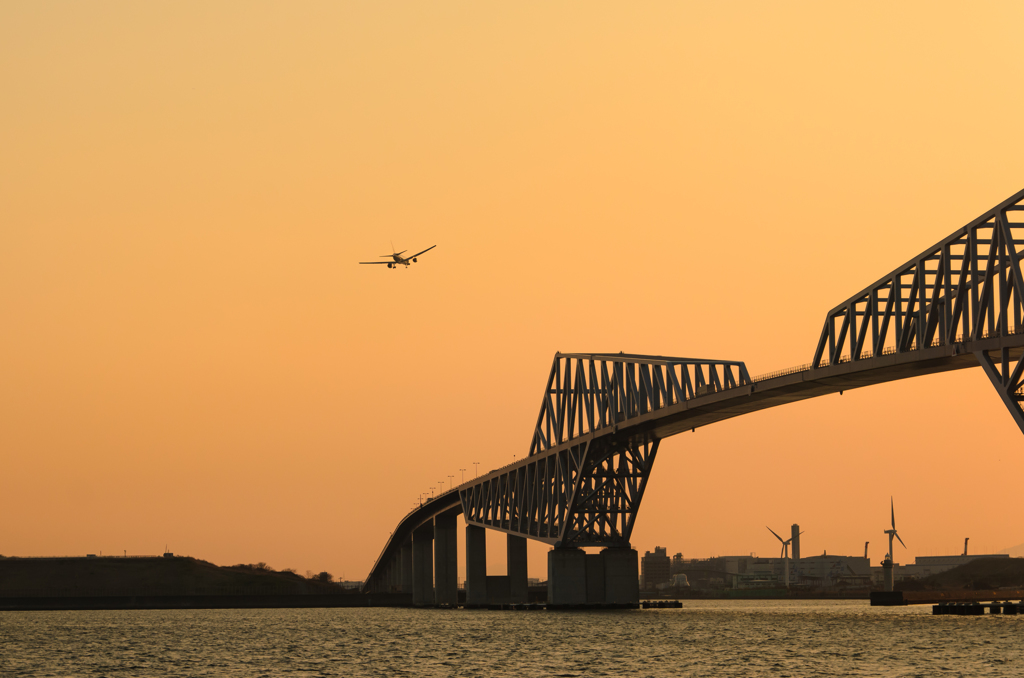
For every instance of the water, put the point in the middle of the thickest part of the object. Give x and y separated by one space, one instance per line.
705 638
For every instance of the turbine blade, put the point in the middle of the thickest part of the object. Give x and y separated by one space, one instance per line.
773 532
896 534
893 510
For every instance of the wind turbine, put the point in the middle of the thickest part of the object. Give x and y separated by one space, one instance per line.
785 553
892 532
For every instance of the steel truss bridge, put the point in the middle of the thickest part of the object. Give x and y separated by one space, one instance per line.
956 305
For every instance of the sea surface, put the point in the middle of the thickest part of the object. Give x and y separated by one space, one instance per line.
704 638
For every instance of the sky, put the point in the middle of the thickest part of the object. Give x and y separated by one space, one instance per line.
192 359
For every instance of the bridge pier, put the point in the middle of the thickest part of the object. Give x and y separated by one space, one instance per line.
621 577
394 576
482 590
423 566
567 577
446 561
405 559
476 566
578 579
517 578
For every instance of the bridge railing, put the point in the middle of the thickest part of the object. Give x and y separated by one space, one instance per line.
589 392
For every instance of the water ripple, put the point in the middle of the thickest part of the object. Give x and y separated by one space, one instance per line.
705 638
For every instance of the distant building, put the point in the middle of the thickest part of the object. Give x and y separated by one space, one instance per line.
678 564
823 572
655 568
926 566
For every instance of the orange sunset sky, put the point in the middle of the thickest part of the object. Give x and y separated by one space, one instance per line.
191 357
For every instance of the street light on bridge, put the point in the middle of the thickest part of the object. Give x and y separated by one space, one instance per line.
476 472
463 475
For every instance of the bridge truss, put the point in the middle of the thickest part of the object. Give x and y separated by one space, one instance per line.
966 288
582 483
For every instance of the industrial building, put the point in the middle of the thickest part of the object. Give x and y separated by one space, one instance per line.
926 566
655 568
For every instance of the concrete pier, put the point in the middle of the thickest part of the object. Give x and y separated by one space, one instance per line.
595 578
423 566
446 561
567 577
405 558
476 566
517 578
608 578
621 577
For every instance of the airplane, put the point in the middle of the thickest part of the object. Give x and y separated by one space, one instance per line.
399 259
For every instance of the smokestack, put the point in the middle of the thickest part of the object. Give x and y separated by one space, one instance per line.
795 535
966 539
866 549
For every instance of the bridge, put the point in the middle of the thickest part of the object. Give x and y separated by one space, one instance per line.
957 305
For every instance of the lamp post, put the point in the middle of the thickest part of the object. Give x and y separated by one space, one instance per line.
451 481
463 475
476 472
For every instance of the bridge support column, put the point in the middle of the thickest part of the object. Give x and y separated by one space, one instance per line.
517 579
446 561
595 578
621 577
393 574
606 579
405 558
567 578
423 566
476 566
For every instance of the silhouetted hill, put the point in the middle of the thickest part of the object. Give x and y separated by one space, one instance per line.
1015 551
149 576
981 574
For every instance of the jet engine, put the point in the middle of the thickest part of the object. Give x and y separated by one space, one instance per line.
390 265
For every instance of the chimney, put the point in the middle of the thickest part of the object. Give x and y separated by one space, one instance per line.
795 534
966 539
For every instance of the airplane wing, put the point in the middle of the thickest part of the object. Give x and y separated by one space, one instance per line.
375 262
419 253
